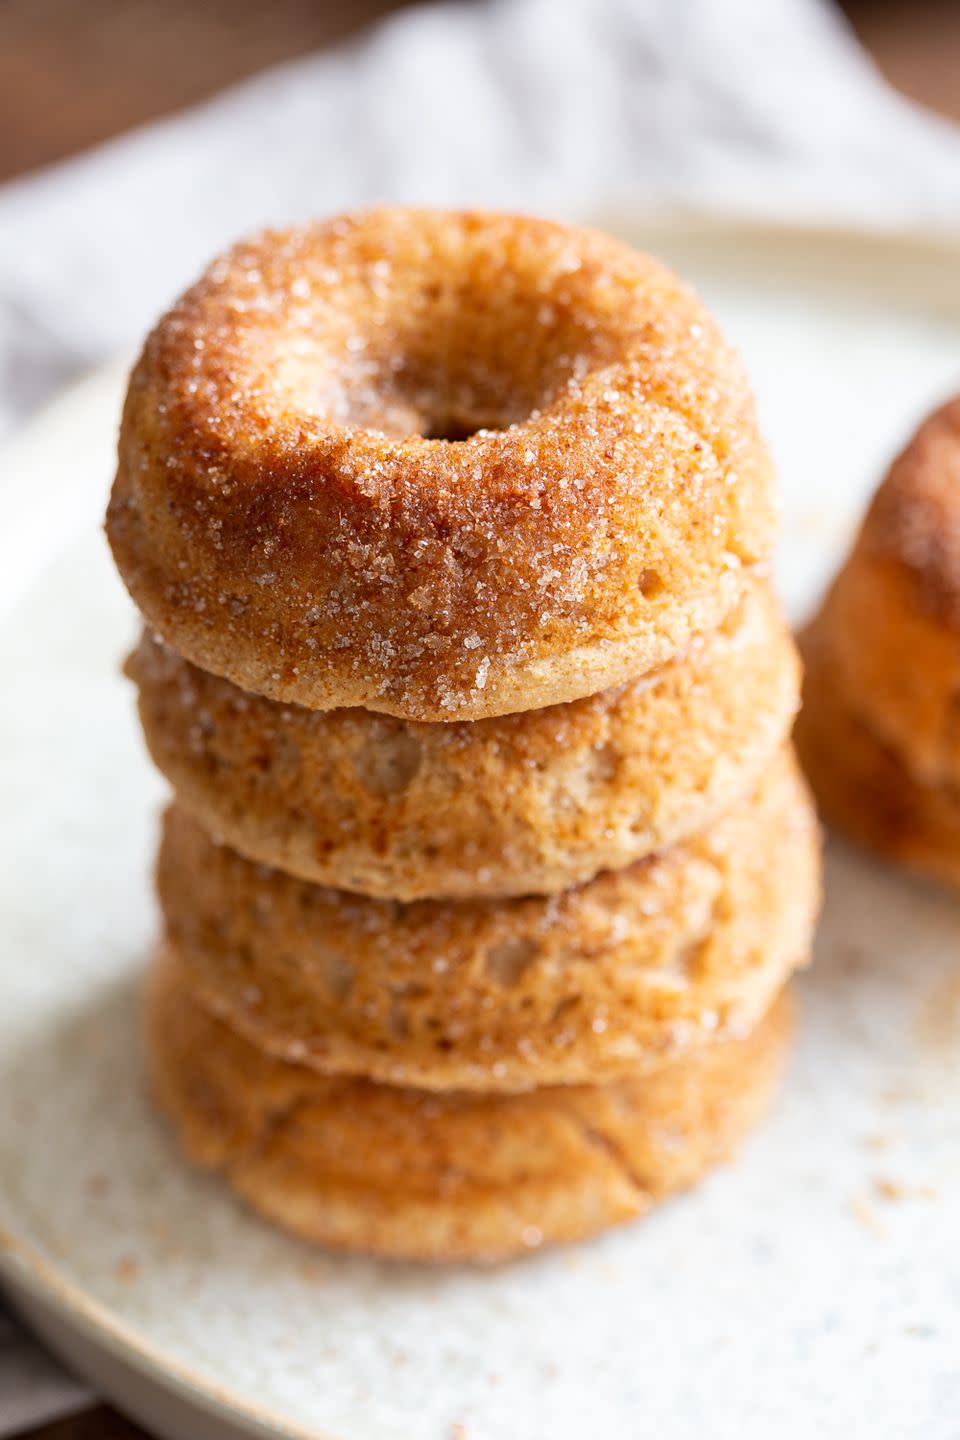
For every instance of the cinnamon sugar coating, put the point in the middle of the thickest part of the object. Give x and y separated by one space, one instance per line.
865 785
407 1174
513 805
891 620
284 518
597 982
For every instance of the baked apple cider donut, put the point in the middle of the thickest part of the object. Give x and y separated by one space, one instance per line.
512 805
603 980
863 784
879 733
890 623
440 465
421 1176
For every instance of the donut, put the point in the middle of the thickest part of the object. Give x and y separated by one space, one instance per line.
864 788
406 1174
879 731
891 619
514 805
600 981
442 465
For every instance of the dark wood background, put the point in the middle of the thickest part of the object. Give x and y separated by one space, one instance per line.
73 73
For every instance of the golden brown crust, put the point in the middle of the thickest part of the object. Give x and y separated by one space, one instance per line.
281 519
594 983
913 519
401 1173
865 786
892 616
520 804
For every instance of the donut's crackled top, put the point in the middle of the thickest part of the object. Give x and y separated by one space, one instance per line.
283 517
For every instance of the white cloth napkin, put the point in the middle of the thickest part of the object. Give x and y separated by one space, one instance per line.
561 106
555 105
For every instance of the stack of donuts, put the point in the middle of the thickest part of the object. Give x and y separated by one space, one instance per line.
488 860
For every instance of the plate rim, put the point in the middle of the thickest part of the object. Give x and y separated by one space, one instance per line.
24 1268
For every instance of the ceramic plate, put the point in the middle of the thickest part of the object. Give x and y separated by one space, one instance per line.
812 1289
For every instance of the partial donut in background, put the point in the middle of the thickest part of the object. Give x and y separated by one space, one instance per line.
879 731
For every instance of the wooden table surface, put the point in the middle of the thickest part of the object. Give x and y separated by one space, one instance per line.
74 74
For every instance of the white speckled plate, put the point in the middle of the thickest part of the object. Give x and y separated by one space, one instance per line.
813 1289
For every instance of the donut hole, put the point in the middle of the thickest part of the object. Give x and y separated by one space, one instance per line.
474 379
454 428
422 414
461 330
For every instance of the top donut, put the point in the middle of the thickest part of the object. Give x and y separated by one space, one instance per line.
440 465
